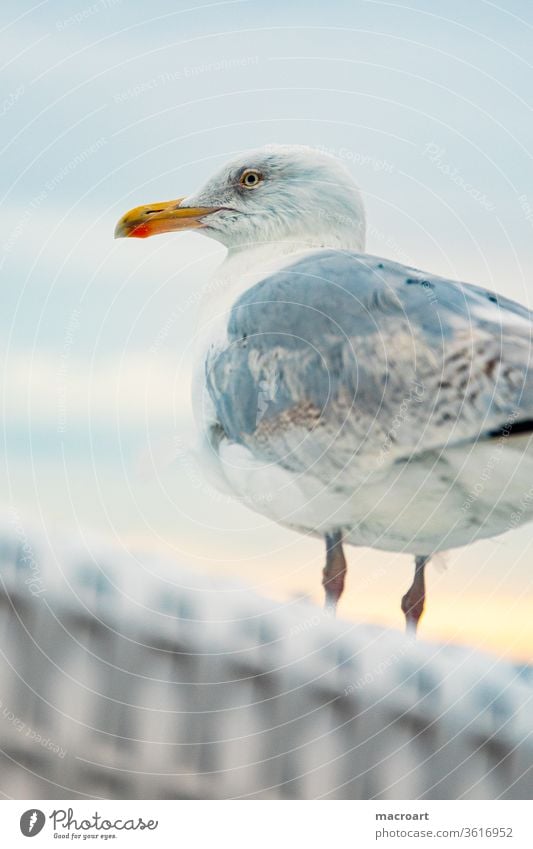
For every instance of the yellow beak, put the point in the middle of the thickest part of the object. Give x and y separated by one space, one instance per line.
144 221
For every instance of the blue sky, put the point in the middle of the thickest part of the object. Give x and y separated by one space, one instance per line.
109 104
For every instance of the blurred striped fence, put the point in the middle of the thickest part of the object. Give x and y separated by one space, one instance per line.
122 680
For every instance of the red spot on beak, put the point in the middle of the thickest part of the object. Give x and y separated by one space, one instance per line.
141 232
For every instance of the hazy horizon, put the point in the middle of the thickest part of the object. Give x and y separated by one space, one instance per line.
106 110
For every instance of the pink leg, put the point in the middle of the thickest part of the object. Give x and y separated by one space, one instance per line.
334 570
414 598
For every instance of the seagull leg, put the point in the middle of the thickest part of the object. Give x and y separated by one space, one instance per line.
414 598
334 570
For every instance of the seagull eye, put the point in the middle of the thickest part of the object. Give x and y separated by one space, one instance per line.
250 178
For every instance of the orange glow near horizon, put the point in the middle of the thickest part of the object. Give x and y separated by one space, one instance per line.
478 608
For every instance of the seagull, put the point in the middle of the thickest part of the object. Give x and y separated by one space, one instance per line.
344 395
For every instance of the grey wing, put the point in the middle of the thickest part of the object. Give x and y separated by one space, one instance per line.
344 358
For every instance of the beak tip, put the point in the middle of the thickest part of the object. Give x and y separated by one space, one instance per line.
144 221
121 230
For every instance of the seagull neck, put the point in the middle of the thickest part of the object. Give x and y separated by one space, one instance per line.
242 268
261 258
246 257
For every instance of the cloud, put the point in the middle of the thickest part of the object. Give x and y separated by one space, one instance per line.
131 390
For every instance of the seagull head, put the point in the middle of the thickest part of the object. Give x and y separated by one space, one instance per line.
278 193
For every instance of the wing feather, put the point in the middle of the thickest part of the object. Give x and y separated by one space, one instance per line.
347 360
